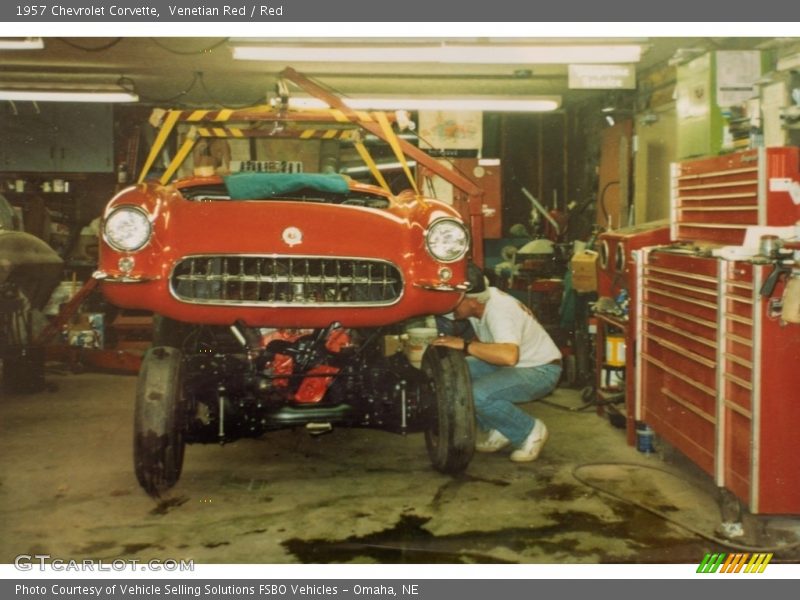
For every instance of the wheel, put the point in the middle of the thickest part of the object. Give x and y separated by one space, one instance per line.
159 420
450 436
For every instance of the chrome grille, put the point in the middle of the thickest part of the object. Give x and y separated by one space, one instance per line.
285 281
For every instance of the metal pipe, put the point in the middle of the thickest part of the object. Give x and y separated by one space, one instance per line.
403 406
538 206
221 400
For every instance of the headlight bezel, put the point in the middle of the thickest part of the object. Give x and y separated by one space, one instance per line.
115 244
443 221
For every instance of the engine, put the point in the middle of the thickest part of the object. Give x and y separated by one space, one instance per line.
279 378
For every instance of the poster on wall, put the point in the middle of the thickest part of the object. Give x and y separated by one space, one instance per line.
451 130
737 72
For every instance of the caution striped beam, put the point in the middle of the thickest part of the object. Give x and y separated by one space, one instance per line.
268 113
303 134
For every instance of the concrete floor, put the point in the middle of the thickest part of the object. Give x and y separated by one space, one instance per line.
354 496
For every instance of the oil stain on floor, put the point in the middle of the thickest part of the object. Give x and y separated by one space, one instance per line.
408 541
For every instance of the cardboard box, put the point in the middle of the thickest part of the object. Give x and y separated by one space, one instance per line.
584 271
83 338
87 331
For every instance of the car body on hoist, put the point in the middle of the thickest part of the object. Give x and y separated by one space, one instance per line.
273 295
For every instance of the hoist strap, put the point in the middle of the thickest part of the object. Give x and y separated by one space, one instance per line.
373 168
184 151
166 128
395 144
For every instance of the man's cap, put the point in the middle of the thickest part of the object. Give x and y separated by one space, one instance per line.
477 280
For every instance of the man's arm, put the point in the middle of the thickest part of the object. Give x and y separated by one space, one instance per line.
500 354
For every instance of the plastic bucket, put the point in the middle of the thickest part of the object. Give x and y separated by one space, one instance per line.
418 340
644 439
615 350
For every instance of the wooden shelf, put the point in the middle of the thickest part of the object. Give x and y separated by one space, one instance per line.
621 322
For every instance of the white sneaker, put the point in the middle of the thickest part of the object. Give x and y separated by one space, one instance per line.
494 442
532 445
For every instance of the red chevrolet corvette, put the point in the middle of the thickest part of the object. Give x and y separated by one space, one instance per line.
273 294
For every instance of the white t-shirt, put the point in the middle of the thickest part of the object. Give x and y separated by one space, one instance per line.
506 320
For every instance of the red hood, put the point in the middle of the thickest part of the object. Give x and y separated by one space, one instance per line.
183 228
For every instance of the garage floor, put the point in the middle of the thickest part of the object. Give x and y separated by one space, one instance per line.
67 489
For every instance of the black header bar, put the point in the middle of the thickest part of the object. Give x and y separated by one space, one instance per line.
402 11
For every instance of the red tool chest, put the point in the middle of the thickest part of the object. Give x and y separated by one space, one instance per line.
615 266
714 199
616 271
718 374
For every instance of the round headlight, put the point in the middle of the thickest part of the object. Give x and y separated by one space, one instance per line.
127 229
447 240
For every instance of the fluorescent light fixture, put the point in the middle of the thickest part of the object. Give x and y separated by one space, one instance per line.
30 43
66 95
475 103
497 54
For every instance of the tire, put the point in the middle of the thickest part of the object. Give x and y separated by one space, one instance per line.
450 435
159 420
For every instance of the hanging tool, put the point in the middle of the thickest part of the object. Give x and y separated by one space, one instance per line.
788 265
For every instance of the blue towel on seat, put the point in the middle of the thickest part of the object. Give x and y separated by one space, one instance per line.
245 186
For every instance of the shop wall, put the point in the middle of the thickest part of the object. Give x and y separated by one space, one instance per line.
585 127
656 143
534 155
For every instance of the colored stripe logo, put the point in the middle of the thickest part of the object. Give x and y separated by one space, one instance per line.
734 563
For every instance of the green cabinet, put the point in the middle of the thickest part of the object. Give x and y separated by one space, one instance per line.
707 87
56 138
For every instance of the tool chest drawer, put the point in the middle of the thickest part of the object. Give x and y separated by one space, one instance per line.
679 313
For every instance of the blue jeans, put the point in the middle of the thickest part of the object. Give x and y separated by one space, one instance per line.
496 390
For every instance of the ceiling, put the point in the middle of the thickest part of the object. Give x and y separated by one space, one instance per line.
202 72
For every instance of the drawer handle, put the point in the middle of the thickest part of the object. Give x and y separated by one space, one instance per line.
680 376
689 406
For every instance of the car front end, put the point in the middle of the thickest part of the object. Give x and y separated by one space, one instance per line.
189 252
